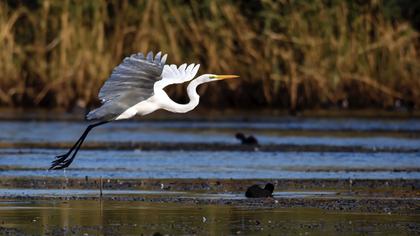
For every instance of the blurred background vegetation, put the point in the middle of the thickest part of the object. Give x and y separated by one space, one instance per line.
289 54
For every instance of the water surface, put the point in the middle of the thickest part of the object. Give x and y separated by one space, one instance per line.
113 217
398 136
211 164
335 132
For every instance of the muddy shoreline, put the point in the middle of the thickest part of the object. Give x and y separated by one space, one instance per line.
173 146
381 196
385 207
381 206
214 185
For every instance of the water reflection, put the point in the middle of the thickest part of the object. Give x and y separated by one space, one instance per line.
114 217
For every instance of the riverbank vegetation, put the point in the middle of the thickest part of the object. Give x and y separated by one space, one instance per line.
289 54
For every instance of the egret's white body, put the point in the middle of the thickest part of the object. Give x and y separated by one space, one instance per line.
142 108
161 100
136 87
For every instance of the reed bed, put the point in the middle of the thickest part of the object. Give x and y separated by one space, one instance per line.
289 54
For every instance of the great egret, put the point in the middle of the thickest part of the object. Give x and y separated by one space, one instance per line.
135 87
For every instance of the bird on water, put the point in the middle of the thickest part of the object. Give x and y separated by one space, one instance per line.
135 87
256 191
246 140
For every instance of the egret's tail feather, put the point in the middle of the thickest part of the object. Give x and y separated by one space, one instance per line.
108 111
93 115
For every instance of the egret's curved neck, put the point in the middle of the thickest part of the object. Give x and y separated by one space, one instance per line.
192 94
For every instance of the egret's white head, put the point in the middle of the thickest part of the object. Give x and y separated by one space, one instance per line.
211 77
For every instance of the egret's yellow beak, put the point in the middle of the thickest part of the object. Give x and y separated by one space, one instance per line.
226 77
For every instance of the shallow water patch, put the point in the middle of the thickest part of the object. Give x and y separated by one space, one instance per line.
224 131
114 217
81 193
218 164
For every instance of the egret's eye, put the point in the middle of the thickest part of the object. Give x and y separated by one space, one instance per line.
212 76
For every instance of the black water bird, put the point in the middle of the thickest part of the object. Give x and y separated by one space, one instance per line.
246 140
256 191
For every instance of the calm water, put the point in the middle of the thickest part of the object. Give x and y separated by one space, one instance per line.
336 132
135 218
402 135
211 164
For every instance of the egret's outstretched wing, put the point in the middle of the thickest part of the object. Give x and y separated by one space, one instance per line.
172 74
183 73
130 83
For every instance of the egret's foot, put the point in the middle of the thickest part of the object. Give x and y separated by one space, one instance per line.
66 163
64 155
61 161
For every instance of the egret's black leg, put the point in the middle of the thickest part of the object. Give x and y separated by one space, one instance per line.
62 161
72 148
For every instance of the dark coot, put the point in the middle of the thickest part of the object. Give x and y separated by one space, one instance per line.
256 191
250 140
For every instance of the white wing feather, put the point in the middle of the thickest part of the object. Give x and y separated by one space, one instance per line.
175 75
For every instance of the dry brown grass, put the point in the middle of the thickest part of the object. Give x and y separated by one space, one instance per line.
58 53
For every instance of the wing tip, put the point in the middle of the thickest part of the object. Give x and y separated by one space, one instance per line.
157 59
150 56
163 59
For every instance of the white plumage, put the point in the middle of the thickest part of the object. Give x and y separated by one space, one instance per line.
136 87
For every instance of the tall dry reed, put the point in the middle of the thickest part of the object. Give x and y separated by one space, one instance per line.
289 53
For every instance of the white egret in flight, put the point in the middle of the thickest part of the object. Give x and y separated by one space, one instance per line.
135 87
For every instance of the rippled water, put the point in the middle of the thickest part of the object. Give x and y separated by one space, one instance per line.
210 164
352 132
402 135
